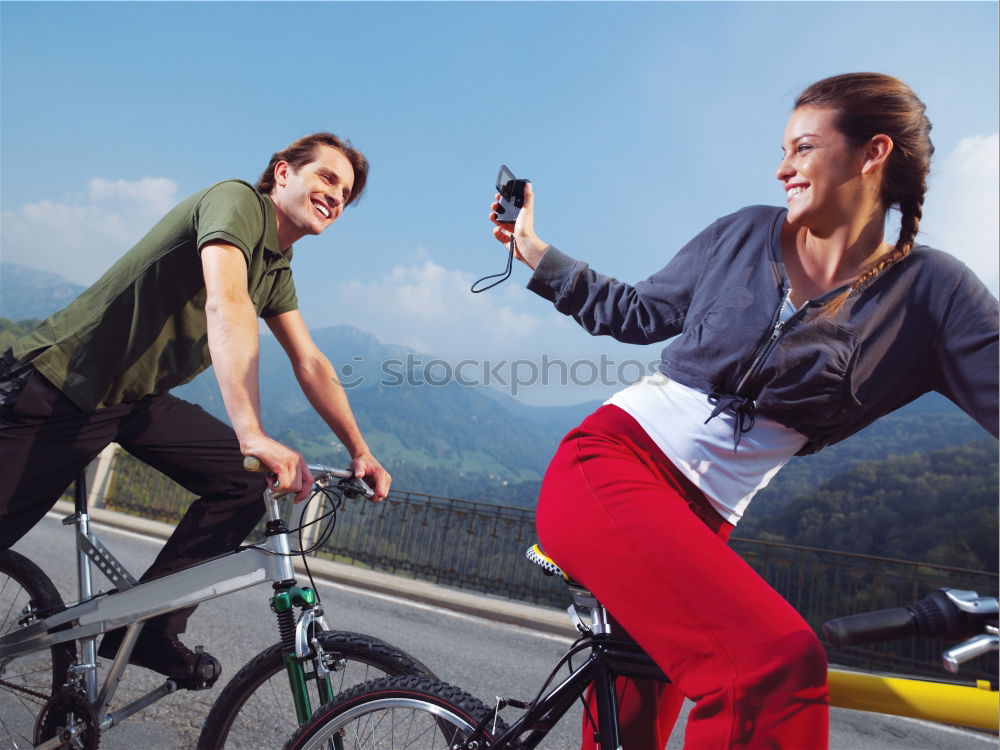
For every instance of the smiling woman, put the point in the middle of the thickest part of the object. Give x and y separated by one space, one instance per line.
795 328
881 123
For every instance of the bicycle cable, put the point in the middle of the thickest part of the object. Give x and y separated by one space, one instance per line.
332 495
335 499
582 698
575 648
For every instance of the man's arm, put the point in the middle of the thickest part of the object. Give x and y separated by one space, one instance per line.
234 345
322 387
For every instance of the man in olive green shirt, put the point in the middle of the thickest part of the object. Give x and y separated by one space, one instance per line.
185 297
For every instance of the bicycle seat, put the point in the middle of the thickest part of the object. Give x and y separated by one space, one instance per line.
537 555
585 604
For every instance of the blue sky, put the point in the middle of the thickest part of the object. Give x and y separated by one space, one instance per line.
639 124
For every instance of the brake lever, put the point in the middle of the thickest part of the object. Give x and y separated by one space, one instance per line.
355 487
970 649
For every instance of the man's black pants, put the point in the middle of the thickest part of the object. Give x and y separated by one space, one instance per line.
46 440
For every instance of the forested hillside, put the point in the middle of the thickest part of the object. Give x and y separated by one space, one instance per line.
938 507
919 484
11 330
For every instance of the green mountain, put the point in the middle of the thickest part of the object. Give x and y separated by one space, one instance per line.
480 444
939 507
446 439
12 330
929 423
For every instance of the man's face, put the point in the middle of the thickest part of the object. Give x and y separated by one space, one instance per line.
312 197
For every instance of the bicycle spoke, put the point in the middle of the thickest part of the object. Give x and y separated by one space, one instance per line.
397 728
14 736
26 681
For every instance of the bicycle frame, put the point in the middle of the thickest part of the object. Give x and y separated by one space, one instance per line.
133 604
609 659
948 703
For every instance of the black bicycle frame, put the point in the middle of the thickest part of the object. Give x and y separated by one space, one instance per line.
609 659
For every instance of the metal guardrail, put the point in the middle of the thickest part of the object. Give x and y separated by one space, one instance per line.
479 547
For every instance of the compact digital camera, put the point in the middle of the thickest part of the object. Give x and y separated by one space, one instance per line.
511 192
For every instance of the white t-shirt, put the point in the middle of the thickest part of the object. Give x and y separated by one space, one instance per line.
674 416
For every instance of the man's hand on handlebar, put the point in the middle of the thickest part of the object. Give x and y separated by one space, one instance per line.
288 469
367 468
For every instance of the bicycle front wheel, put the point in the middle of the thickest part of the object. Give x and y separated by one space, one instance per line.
256 709
400 713
26 683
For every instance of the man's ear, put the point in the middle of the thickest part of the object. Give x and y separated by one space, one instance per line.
877 152
281 173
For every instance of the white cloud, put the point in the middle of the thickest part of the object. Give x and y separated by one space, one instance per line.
80 238
961 209
430 308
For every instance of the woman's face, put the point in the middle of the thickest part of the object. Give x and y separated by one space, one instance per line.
820 170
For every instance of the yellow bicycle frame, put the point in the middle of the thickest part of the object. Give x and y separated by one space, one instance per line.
970 706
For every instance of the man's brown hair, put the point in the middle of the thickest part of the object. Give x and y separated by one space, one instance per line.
302 152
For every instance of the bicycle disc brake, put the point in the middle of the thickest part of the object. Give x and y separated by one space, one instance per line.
69 716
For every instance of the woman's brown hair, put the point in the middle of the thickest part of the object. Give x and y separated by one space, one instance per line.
302 152
869 104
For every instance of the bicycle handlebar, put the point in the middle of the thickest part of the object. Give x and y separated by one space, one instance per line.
348 483
947 613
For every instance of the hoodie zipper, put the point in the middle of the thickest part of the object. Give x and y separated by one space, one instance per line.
765 349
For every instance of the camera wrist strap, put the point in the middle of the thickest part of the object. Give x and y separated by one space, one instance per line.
500 277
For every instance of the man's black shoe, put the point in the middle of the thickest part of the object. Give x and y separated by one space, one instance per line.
164 653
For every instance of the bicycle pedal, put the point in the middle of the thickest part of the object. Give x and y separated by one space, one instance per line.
206 672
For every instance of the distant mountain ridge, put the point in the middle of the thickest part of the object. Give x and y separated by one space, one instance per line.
28 293
440 439
480 444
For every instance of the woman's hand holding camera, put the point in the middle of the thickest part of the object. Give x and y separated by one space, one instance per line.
528 248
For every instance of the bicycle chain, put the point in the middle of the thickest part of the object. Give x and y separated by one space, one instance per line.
26 691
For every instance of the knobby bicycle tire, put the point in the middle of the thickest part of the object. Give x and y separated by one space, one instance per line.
255 710
399 713
26 683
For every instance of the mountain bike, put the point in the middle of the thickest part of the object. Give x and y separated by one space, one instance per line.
416 712
50 696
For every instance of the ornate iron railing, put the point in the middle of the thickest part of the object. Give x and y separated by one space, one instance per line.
479 547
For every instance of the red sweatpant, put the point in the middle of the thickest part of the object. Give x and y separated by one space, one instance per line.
618 516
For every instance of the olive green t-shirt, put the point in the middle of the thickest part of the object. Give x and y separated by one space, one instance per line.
141 328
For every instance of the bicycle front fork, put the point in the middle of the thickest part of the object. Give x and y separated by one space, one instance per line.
298 647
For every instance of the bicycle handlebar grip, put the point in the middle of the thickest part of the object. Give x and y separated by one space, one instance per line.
934 616
870 627
252 463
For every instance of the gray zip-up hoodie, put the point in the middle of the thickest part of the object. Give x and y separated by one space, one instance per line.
926 323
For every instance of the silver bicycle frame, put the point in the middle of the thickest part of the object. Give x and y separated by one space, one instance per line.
207 580
133 604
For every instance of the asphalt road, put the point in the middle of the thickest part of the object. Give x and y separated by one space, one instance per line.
485 658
